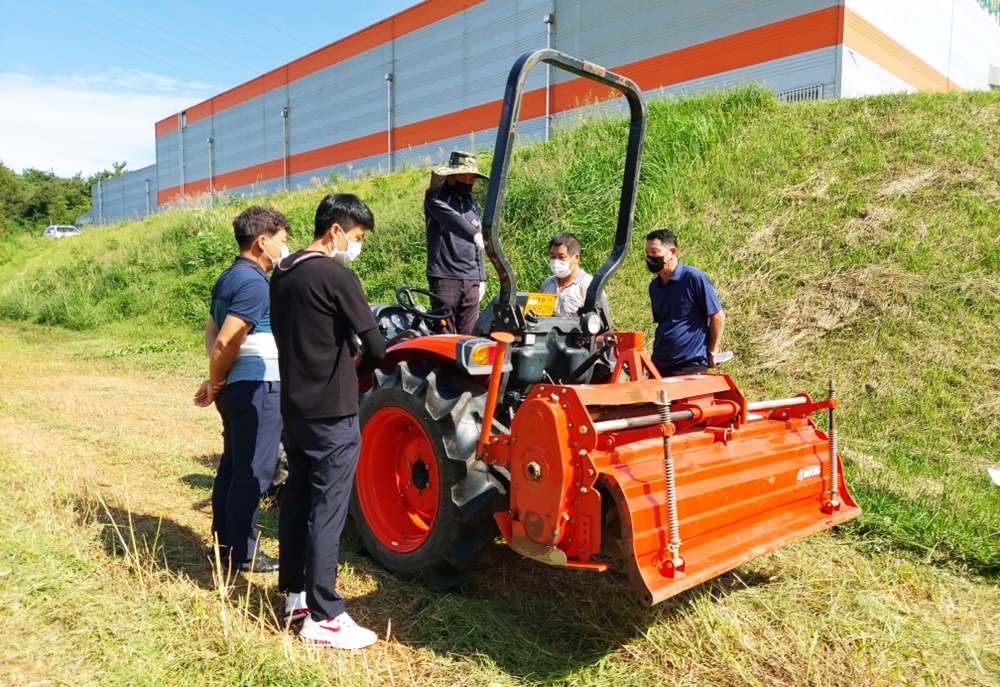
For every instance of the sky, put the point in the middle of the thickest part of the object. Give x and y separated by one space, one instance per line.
83 82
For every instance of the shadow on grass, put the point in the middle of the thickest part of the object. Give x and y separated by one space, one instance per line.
209 460
149 542
534 622
197 480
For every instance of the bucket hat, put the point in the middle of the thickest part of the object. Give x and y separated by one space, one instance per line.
459 163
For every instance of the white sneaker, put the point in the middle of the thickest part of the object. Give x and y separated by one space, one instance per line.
340 633
295 607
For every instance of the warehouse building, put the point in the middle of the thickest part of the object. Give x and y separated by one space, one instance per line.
411 88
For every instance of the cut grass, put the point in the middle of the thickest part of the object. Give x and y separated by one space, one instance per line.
854 240
104 579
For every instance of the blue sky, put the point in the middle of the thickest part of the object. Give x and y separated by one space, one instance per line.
82 82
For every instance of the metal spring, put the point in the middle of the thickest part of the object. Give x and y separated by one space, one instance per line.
670 488
834 476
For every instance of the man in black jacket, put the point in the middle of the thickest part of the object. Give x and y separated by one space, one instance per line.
316 303
455 270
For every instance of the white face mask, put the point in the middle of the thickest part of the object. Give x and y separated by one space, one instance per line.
282 251
350 255
560 268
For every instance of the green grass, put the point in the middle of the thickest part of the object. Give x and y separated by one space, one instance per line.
103 581
857 240
851 239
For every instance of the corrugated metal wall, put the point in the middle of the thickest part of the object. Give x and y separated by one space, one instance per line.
445 73
129 196
448 60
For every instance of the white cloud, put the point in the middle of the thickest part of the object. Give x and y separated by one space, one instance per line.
86 123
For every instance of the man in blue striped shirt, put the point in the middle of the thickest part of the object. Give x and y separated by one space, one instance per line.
243 383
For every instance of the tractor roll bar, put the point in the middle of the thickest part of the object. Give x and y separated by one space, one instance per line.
507 316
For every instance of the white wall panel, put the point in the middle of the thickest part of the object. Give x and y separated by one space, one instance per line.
957 38
976 45
861 76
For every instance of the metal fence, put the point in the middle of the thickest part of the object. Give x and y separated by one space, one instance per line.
801 95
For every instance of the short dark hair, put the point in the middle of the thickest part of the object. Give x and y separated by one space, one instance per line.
256 220
345 209
567 239
664 236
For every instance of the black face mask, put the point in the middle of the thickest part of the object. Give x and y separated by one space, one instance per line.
654 264
461 189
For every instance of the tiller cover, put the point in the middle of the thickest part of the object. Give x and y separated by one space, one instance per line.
591 469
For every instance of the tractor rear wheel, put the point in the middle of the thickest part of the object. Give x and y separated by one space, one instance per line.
421 502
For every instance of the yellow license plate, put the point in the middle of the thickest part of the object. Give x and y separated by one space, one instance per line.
542 304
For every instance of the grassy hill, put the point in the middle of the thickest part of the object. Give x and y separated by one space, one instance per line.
857 240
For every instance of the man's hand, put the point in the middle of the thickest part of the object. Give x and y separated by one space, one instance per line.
206 394
478 240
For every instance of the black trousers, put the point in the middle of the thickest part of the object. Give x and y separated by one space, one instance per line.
251 430
685 369
322 457
463 297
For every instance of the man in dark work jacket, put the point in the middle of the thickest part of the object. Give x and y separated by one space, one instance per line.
455 270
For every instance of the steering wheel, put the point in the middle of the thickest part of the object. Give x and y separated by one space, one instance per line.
440 310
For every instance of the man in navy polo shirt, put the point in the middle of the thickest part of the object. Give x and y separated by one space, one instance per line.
243 383
689 318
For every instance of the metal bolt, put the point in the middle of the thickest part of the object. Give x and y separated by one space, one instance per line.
583 429
534 470
583 490
582 453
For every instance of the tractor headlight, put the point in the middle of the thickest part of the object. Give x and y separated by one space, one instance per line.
591 323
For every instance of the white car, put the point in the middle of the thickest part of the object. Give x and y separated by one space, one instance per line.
58 231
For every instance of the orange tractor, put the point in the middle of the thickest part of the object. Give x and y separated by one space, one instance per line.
561 435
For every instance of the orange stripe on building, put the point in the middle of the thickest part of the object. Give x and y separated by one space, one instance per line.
774 41
385 31
867 39
808 32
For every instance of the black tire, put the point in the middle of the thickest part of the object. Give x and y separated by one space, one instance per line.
449 414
